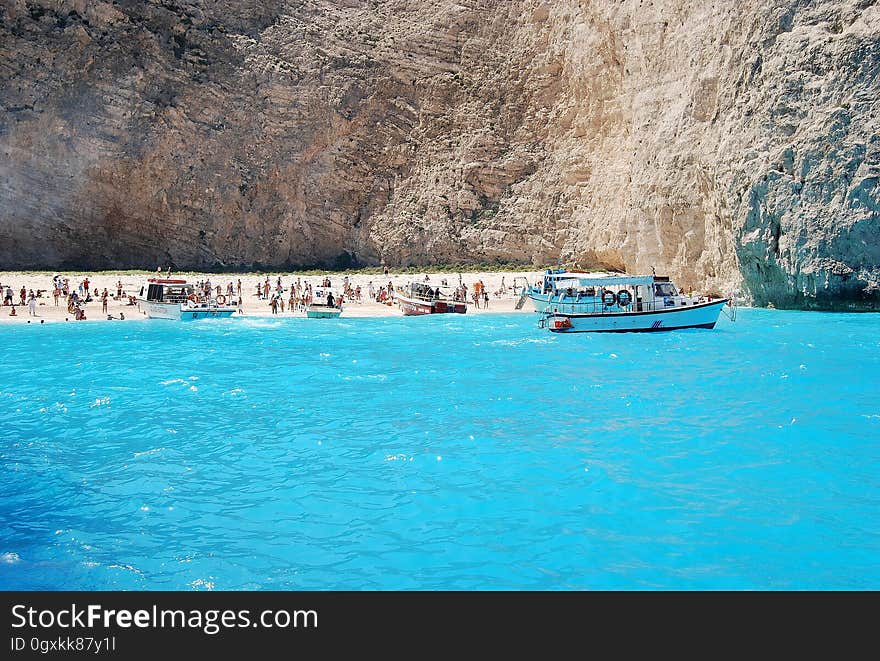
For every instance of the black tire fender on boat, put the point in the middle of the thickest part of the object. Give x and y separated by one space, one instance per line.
624 298
609 298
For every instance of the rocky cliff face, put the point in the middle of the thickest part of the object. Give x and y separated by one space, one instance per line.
726 144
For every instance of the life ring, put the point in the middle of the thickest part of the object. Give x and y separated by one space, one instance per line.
609 298
624 298
562 323
221 299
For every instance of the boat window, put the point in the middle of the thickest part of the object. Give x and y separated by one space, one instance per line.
664 289
175 294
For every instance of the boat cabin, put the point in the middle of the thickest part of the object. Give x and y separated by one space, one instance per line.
166 290
613 293
552 276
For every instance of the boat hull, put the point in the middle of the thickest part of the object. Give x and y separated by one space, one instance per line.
187 314
701 315
414 307
322 312
541 302
177 312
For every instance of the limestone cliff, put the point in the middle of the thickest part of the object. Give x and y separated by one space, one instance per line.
726 144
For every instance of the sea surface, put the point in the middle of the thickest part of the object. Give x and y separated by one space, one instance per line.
469 452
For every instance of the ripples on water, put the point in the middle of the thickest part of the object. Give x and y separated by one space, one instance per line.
457 452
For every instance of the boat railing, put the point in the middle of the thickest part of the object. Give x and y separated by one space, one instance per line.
430 299
201 302
567 305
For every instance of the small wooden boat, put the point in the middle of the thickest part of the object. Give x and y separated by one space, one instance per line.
420 298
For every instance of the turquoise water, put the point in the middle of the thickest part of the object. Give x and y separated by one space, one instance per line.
448 452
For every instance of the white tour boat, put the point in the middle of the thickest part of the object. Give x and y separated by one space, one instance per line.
580 303
172 298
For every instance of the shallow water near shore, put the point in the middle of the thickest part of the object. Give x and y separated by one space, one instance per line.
447 452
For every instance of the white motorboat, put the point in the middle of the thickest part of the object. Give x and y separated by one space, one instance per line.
172 298
323 306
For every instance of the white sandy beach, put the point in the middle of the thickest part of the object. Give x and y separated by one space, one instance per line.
500 300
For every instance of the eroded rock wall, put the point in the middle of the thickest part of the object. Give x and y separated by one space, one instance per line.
730 145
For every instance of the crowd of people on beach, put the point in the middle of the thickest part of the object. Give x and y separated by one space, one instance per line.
299 294
73 298
27 298
302 293
294 298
